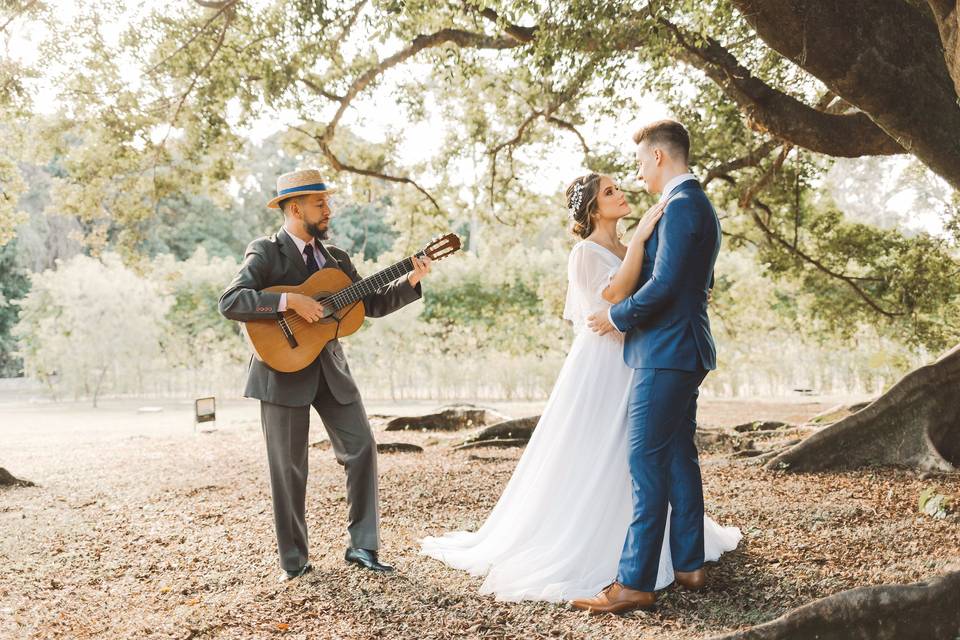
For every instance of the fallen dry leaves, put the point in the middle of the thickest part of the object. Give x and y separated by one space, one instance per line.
169 535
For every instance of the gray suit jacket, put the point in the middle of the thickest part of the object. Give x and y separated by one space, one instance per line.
274 261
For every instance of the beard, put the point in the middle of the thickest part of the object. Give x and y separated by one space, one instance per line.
314 230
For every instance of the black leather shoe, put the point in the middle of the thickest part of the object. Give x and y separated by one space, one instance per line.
367 559
290 575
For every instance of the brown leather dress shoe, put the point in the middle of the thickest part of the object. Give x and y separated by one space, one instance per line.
693 580
616 599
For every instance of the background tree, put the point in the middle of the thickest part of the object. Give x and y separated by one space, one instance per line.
490 93
77 331
767 114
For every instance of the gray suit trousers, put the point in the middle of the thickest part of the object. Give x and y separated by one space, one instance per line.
286 431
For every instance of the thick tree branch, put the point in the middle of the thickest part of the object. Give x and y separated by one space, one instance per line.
459 37
569 126
222 8
319 90
773 111
17 13
517 32
883 56
752 159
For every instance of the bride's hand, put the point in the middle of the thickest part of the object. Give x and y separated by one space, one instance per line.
649 222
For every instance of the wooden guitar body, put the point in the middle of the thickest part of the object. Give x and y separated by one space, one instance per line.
289 343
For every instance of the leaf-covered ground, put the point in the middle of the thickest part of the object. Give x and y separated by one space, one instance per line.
140 527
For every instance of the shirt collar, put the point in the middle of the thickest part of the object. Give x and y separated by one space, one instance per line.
296 240
674 183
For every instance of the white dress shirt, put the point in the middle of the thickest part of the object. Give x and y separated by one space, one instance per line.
282 306
672 184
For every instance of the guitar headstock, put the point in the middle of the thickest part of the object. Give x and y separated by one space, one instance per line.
442 246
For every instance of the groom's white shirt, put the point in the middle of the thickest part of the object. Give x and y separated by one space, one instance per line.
674 183
667 188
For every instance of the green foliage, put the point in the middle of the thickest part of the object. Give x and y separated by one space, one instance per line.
91 326
770 339
505 109
363 229
14 113
186 222
12 186
197 337
488 327
163 165
14 284
860 272
94 326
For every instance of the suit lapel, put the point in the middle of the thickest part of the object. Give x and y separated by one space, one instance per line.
653 242
289 249
330 261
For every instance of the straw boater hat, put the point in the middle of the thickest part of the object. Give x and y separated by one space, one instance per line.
299 183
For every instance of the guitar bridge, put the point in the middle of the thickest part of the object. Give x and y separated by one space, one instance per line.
287 331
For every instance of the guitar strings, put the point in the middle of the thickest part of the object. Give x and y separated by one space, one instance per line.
296 321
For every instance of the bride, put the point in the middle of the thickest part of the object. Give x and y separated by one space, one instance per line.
558 529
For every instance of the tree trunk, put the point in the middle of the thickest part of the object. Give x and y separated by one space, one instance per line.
398 447
499 443
519 429
923 610
448 419
947 15
8 480
915 424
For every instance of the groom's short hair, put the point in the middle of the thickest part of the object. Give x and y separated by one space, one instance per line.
666 133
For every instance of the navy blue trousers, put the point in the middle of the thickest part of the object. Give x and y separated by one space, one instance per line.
664 468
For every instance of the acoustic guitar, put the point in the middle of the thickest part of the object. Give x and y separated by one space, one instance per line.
289 343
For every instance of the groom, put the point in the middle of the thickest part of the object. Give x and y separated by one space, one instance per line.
669 345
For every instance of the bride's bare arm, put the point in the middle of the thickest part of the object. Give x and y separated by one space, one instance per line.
624 282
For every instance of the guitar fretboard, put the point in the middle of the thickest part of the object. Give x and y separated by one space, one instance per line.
363 288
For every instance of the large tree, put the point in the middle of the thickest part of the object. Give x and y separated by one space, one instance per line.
770 90
15 106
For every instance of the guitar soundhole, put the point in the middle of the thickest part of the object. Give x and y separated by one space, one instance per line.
329 313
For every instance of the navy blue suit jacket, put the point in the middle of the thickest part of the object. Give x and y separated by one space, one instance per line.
666 318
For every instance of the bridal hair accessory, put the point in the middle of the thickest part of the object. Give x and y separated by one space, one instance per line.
575 199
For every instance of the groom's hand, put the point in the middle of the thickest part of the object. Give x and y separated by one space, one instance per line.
599 323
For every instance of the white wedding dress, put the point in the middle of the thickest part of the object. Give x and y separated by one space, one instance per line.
558 529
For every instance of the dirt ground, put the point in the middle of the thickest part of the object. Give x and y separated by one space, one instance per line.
141 527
